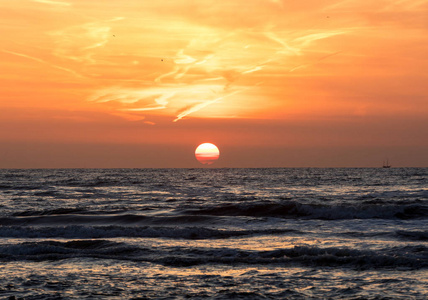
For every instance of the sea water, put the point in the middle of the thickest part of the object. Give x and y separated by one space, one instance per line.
214 233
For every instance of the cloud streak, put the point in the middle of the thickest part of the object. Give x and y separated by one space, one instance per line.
188 100
60 3
223 59
147 99
314 63
195 108
43 62
79 42
180 66
306 40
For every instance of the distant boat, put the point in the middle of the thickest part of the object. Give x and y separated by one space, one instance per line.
386 165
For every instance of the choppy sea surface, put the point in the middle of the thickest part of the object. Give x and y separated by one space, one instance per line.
214 234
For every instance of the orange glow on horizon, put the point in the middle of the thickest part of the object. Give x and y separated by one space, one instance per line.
153 73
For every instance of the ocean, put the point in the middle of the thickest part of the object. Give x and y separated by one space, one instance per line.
276 233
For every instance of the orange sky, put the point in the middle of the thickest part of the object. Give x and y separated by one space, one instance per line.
272 83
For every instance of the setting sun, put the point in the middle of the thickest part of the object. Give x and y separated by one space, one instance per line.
207 153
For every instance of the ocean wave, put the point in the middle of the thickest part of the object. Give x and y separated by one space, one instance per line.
64 217
294 209
414 235
410 257
113 231
54 250
415 257
55 211
205 213
400 235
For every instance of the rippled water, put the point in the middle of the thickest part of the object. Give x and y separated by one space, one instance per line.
214 233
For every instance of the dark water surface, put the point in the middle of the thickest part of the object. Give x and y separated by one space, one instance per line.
214 233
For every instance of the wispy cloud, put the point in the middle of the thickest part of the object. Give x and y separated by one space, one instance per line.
161 102
147 99
222 60
278 2
400 5
255 69
182 64
405 4
180 100
43 62
200 65
314 63
196 107
79 42
53 2
286 46
307 39
339 4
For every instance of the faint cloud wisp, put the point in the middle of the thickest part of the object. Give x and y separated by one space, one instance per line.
53 2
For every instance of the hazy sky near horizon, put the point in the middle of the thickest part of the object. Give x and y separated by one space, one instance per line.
321 83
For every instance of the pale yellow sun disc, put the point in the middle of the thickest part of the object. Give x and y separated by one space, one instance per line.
207 153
